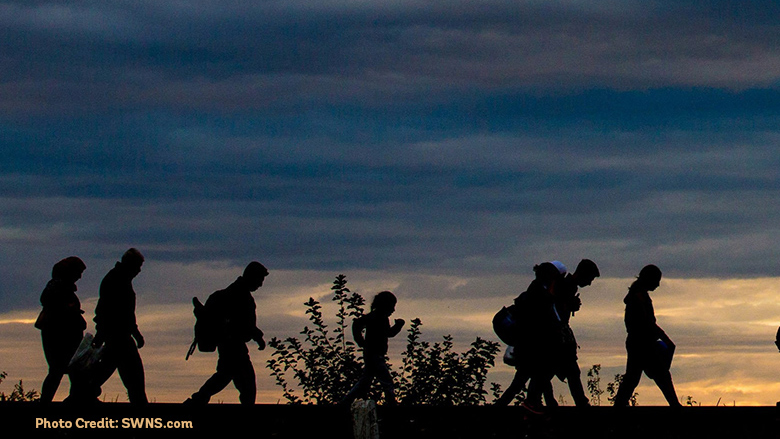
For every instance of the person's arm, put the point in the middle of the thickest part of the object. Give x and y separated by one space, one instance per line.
575 303
396 328
99 319
258 338
358 325
139 339
663 337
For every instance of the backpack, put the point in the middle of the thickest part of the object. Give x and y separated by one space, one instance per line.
506 324
207 328
509 322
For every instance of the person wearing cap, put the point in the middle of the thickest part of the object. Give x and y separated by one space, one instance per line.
116 327
235 308
61 322
567 302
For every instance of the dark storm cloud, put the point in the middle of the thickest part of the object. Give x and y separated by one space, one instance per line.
414 136
223 57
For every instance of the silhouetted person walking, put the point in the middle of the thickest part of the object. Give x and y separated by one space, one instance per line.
539 339
648 347
234 310
567 302
377 328
115 325
61 322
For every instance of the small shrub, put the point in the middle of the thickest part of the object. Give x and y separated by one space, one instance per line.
324 366
19 393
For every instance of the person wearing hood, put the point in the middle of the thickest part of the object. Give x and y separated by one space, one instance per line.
539 339
61 322
648 348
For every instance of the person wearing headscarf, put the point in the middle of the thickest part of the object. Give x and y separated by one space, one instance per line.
538 338
61 322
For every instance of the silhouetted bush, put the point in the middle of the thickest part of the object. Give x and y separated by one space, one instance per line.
328 365
435 374
594 387
324 366
19 393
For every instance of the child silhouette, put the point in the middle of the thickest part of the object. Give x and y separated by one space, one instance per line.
377 328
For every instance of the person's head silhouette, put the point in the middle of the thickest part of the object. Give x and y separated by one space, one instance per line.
384 302
132 261
586 271
649 277
254 274
68 269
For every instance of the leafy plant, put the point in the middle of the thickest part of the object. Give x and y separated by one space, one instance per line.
613 387
435 374
497 391
19 393
327 367
594 384
324 366
594 387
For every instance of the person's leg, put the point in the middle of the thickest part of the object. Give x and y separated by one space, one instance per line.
574 380
542 371
211 387
517 384
361 388
58 348
244 376
220 379
541 385
382 373
131 372
548 394
664 382
630 380
102 372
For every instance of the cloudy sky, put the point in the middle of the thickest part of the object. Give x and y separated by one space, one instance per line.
439 149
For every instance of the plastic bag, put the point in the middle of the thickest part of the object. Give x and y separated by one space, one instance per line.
509 356
86 359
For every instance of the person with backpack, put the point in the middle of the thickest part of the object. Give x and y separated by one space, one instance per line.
648 348
232 312
377 328
61 322
537 339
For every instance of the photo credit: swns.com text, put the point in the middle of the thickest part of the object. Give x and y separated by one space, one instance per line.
108 423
